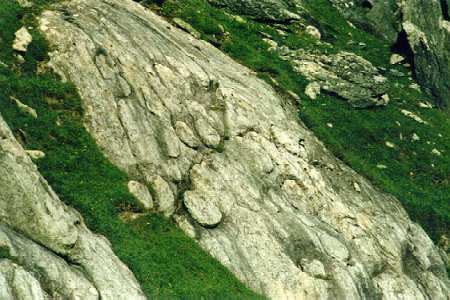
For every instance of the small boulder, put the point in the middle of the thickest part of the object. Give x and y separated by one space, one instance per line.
141 193
203 210
163 195
313 90
313 32
35 154
22 40
396 59
24 108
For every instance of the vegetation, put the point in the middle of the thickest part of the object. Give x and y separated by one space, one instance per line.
414 173
165 261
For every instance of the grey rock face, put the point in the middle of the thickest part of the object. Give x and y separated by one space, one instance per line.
274 10
54 256
345 74
426 31
246 179
425 23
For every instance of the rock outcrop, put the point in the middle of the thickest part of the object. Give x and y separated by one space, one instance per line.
344 74
271 10
226 156
421 27
46 251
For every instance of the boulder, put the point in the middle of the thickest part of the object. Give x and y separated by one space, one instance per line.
22 40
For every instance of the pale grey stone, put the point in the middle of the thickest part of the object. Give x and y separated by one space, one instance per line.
141 193
22 40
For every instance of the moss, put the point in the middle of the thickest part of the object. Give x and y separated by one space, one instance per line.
165 261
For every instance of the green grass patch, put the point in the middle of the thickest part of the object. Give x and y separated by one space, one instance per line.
416 176
165 261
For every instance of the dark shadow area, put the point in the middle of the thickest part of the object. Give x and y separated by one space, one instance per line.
445 10
366 4
402 47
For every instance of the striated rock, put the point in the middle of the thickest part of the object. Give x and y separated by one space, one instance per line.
274 10
256 193
312 90
314 32
163 195
46 251
25 108
418 25
345 74
141 193
187 27
35 154
22 40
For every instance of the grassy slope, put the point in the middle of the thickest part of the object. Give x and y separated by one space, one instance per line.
167 263
417 177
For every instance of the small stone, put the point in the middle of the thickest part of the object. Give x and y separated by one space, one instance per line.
141 193
425 105
381 166
413 116
313 32
396 59
415 86
22 40
415 137
24 108
163 195
272 44
25 3
385 99
20 59
185 225
330 125
436 152
389 144
293 95
313 90
186 135
357 187
35 154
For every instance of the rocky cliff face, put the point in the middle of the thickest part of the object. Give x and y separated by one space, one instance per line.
420 29
227 158
46 251
423 25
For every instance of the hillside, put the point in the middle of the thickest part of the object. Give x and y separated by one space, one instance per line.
214 145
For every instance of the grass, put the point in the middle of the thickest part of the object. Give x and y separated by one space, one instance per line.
416 176
165 261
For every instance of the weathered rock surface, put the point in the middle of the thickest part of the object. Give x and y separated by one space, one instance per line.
424 25
230 159
273 10
22 40
46 251
345 74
